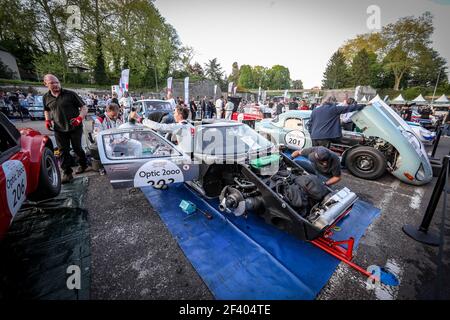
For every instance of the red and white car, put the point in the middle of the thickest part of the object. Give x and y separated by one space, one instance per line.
28 170
251 114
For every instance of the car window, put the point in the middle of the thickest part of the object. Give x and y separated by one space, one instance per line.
228 140
6 141
293 123
157 106
136 145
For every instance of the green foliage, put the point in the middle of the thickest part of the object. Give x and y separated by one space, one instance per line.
297 84
336 75
246 77
50 63
234 76
214 72
279 78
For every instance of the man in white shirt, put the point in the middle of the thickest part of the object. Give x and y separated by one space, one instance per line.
219 107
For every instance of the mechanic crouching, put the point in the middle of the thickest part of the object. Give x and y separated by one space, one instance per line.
64 112
182 130
323 162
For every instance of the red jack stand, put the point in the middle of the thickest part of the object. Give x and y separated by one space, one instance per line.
336 250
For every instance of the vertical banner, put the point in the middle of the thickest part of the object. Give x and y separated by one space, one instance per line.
169 84
186 91
230 88
259 94
264 95
123 84
234 90
115 89
215 91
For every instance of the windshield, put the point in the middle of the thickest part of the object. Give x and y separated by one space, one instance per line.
136 145
157 106
229 140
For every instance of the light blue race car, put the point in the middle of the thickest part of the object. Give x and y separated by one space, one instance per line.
385 142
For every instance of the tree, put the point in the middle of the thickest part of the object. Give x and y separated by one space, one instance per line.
196 70
297 84
404 40
371 42
214 72
246 77
261 77
336 74
234 76
425 72
279 77
360 69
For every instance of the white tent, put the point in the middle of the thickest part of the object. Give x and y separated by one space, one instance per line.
419 100
399 100
376 98
364 99
442 99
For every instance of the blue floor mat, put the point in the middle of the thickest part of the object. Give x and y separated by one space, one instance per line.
242 258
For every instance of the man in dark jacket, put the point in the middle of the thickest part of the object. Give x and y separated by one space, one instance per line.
325 124
64 112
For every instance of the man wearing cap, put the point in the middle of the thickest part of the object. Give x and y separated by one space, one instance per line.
324 162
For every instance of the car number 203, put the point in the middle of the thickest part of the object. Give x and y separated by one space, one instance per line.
260 309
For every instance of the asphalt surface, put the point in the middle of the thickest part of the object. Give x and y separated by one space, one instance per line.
135 257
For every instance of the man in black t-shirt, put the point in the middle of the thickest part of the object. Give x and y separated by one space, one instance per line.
324 162
293 105
64 112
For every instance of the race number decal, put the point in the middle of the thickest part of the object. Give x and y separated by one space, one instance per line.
158 173
295 139
16 184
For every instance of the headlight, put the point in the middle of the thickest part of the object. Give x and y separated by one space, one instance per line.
420 175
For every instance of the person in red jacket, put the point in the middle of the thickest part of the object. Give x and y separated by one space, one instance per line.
303 105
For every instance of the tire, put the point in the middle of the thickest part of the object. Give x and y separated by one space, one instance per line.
366 163
49 184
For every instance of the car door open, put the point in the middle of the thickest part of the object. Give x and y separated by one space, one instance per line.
139 157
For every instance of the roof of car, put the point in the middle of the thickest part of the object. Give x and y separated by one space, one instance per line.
152 100
297 114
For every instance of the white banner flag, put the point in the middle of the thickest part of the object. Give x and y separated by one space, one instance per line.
186 91
215 90
234 90
169 84
123 83
259 94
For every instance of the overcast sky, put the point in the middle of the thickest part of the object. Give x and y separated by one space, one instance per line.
301 35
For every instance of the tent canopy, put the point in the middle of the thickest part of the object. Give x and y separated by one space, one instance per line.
376 98
419 99
399 100
364 99
442 99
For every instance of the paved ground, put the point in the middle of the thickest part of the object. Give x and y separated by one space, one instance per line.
135 257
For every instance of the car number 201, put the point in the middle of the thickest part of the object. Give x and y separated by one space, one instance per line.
295 139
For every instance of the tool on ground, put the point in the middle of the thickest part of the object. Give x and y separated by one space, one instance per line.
190 208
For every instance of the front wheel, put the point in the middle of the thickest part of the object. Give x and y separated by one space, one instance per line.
366 162
49 184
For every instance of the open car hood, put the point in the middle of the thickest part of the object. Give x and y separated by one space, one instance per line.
379 120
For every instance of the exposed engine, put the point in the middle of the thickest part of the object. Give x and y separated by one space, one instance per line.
241 198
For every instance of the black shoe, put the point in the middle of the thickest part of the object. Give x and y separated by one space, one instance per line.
80 169
66 178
